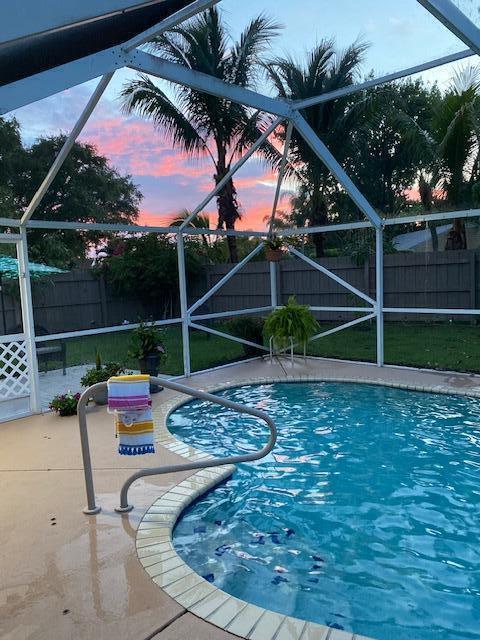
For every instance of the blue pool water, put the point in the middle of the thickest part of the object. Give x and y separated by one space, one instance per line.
366 517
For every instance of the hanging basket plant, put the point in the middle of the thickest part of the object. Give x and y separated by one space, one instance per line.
274 249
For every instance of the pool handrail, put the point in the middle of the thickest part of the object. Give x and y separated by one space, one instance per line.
92 508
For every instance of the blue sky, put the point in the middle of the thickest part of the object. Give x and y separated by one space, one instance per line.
400 33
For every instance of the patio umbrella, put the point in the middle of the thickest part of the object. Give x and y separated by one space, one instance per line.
9 271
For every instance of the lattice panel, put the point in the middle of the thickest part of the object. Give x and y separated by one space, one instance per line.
14 381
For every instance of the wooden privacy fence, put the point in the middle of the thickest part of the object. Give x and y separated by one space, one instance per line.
449 279
80 300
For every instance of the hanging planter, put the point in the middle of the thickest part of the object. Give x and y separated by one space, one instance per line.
274 249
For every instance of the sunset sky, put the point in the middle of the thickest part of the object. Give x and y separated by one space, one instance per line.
401 34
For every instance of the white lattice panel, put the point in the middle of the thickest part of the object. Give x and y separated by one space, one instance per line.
14 381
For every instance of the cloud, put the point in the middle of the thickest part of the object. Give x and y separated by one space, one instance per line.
168 179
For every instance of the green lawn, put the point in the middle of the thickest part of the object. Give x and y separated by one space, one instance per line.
451 346
206 350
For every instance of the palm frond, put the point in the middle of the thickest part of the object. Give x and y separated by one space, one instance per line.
143 97
245 53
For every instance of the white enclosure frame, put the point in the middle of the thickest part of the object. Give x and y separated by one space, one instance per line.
129 55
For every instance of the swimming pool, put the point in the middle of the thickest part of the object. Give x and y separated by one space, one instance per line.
365 517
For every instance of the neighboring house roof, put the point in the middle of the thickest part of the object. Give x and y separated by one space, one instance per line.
422 240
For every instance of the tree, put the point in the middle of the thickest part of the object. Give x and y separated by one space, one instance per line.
146 267
456 131
86 189
324 70
199 124
390 142
12 158
200 221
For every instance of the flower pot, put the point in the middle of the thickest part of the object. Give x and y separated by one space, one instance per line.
149 364
67 412
100 397
273 255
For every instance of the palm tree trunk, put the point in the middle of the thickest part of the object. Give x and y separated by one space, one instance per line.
319 216
228 212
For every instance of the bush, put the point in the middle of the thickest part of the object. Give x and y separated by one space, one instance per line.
249 329
101 373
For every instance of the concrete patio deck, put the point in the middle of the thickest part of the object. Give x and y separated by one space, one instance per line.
68 575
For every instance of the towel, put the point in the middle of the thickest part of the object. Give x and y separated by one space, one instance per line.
128 393
129 399
135 432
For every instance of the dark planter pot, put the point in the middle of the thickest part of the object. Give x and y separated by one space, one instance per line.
67 412
274 255
149 365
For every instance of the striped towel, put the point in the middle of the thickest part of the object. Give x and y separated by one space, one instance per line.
129 400
128 393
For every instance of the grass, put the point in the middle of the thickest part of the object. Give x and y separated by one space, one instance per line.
206 350
447 346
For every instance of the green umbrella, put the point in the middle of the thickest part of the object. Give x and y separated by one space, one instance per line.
9 268
9 271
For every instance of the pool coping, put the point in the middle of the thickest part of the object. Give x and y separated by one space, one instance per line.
154 539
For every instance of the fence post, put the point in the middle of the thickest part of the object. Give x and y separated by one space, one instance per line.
103 300
273 284
184 314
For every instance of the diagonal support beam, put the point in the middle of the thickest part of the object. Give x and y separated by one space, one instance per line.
214 332
231 172
225 278
177 73
341 327
281 173
320 149
67 146
455 21
331 275
375 82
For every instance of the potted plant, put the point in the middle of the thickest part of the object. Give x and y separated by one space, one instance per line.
274 249
65 404
291 322
100 373
147 346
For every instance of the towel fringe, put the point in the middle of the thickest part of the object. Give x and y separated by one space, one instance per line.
135 450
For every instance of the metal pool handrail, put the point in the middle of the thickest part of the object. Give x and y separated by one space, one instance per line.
92 508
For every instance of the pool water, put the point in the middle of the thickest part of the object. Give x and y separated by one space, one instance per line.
366 517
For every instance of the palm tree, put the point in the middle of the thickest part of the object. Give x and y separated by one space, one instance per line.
324 70
456 130
201 221
199 124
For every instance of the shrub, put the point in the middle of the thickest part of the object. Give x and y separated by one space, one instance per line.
101 373
249 329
